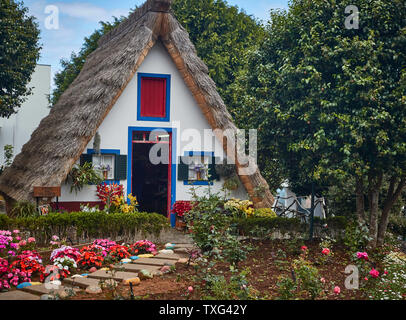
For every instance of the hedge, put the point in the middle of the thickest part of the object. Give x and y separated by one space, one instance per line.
287 225
87 224
282 224
337 223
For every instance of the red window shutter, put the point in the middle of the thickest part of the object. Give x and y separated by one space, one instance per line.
153 97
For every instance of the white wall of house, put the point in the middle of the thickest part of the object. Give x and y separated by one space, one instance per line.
185 114
17 129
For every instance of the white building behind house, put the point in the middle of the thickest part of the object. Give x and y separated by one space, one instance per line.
17 129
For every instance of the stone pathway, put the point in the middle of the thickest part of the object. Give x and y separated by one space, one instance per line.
122 272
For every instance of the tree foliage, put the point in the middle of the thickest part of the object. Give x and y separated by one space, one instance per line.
221 34
329 101
19 52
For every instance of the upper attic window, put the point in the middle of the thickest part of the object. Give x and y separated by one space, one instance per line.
153 97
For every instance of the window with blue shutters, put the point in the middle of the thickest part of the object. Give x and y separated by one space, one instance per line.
110 164
198 168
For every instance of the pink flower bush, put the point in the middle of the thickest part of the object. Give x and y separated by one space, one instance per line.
142 246
65 251
105 243
4 272
11 277
31 240
326 251
362 255
374 273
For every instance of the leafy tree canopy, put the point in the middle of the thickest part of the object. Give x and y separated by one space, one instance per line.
330 101
221 34
19 53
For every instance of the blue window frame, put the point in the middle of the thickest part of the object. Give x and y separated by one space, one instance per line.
167 96
107 152
196 182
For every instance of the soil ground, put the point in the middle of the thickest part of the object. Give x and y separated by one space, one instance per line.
266 263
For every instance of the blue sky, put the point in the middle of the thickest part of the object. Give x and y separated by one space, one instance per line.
78 19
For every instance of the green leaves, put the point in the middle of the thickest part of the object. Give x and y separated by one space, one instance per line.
19 52
337 95
83 175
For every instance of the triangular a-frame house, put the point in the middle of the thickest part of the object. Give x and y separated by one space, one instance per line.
145 75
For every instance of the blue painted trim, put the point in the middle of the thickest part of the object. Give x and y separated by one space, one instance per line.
197 183
104 151
168 97
173 168
198 153
107 151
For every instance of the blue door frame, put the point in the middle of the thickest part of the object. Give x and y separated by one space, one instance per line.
173 163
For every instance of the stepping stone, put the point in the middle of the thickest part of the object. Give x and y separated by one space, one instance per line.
183 251
167 256
41 289
156 262
81 282
18 295
118 275
135 267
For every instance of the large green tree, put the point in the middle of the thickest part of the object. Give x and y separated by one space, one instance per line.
19 53
329 100
220 32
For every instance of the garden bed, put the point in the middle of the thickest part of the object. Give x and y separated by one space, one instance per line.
266 267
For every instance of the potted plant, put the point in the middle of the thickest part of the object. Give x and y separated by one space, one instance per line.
105 169
199 169
180 208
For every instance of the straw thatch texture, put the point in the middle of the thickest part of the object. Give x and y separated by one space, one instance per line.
63 135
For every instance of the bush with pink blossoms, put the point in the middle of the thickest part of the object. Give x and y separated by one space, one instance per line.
8 244
362 255
142 247
11 243
374 273
10 276
65 251
105 243
4 272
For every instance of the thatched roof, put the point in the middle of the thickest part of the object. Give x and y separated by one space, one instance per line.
63 135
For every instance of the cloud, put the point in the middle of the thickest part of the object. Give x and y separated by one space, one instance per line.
87 11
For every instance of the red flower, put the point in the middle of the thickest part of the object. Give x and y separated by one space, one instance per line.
180 208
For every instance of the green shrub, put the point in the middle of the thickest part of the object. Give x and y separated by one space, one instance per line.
356 237
5 222
80 176
265 213
397 225
23 209
87 224
284 225
208 222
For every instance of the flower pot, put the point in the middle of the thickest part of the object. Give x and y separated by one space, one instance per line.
105 174
180 223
